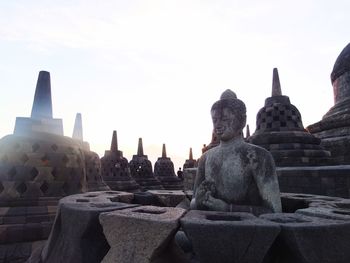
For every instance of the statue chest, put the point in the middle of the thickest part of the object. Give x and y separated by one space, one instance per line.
230 174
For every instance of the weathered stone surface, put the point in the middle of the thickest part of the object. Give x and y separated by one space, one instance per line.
77 235
228 237
168 198
234 173
334 127
139 234
52 165
306 239
324 212
189 178
319 180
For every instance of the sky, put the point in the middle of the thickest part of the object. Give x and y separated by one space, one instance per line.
152 69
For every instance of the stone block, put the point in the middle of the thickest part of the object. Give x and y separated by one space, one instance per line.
327 213
168 198
228 236
77 235
141 234
306 239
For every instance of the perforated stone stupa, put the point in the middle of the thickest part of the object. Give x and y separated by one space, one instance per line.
164 172
280 130
116 170
303 165
37 167
141 170
190 162
334 128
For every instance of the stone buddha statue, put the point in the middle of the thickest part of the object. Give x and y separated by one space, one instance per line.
235 175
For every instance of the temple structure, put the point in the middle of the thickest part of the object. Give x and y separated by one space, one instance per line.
164 172
116 170
280 130
303 165
38 166
190 162
141 170
334 128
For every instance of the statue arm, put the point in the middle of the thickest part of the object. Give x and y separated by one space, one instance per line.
267 182
197 188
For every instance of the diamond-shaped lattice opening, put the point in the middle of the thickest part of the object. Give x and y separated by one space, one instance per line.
65 159
1 187
24 158
33 173
12 172
35 147
21 188
45 159
54 147
44 187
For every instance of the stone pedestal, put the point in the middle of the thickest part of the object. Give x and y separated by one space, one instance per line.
77 235
168 198
141 234
228 237
305 239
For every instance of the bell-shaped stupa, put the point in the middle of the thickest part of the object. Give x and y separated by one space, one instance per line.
141 170
38 166
164 172
190 162
116 170
280 130
334 128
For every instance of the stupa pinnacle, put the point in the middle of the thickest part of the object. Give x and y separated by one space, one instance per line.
78 128
276 86
42 105
41 117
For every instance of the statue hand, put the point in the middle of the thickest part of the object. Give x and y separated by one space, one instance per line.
215 204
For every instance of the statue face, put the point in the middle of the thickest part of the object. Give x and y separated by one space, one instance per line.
226 124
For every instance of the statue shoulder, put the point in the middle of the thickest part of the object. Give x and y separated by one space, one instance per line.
259 152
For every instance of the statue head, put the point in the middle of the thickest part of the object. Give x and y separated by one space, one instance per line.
229 116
